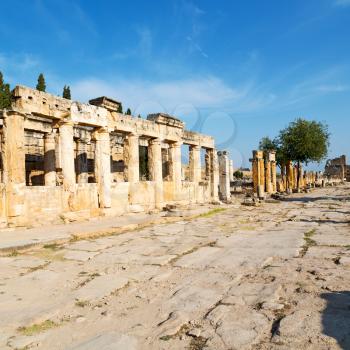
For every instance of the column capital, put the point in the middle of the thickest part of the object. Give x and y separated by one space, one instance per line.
258 154
133 135
155 141
50 135
175 144
223 153
65 122
102 130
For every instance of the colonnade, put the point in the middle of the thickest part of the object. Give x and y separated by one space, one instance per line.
59 142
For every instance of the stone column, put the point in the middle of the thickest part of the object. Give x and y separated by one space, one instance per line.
155 165
82 163
274 176
13 156
231 170
268 182
289 176
270 174
195 164
301 180
214 175
258 170
133 159
295 177
261 188
50 158
224 176
103 167
175 167
67 154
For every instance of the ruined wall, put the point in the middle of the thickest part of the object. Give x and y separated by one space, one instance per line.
65 160
337 167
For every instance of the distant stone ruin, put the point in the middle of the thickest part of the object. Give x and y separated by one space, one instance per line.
337 167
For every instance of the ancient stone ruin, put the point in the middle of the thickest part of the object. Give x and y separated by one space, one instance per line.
338 168
65 159
265 179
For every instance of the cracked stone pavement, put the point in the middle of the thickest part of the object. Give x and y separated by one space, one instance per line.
275 276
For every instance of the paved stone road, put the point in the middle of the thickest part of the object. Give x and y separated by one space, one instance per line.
272 277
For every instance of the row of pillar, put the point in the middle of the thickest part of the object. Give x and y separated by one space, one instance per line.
14 162
306 178
265 175
264 172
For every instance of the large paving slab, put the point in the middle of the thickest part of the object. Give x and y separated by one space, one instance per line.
271 277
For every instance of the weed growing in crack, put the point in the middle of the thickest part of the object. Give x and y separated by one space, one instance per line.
38 327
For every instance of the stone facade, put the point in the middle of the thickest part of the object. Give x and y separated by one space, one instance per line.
65 159
337 167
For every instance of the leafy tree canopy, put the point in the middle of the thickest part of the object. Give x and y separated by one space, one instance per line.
120 108
304 141
238 174
266 144
128 111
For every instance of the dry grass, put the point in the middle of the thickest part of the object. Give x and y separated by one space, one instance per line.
211 213
38 327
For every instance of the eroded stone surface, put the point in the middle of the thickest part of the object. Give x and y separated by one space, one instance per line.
271 277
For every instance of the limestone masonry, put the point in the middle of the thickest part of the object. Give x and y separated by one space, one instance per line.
337 167
66 160
265 179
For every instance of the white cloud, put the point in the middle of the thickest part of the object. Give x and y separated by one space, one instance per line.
17 62
142 47
147 96
332 88
343 3
196 47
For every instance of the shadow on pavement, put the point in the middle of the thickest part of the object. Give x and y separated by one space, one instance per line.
315 199
336 317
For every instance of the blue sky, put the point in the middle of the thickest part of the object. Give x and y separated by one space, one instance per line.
238 70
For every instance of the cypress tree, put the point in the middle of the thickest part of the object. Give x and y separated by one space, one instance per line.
5 93
128 111
7 96
120 108
41 85
66 92
1 91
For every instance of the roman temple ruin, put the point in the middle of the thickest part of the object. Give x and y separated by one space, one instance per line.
70 160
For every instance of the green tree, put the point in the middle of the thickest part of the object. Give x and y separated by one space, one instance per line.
304 141
266 144
66 92
139 116
128 111
120 108
41 85
5 94
238 174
